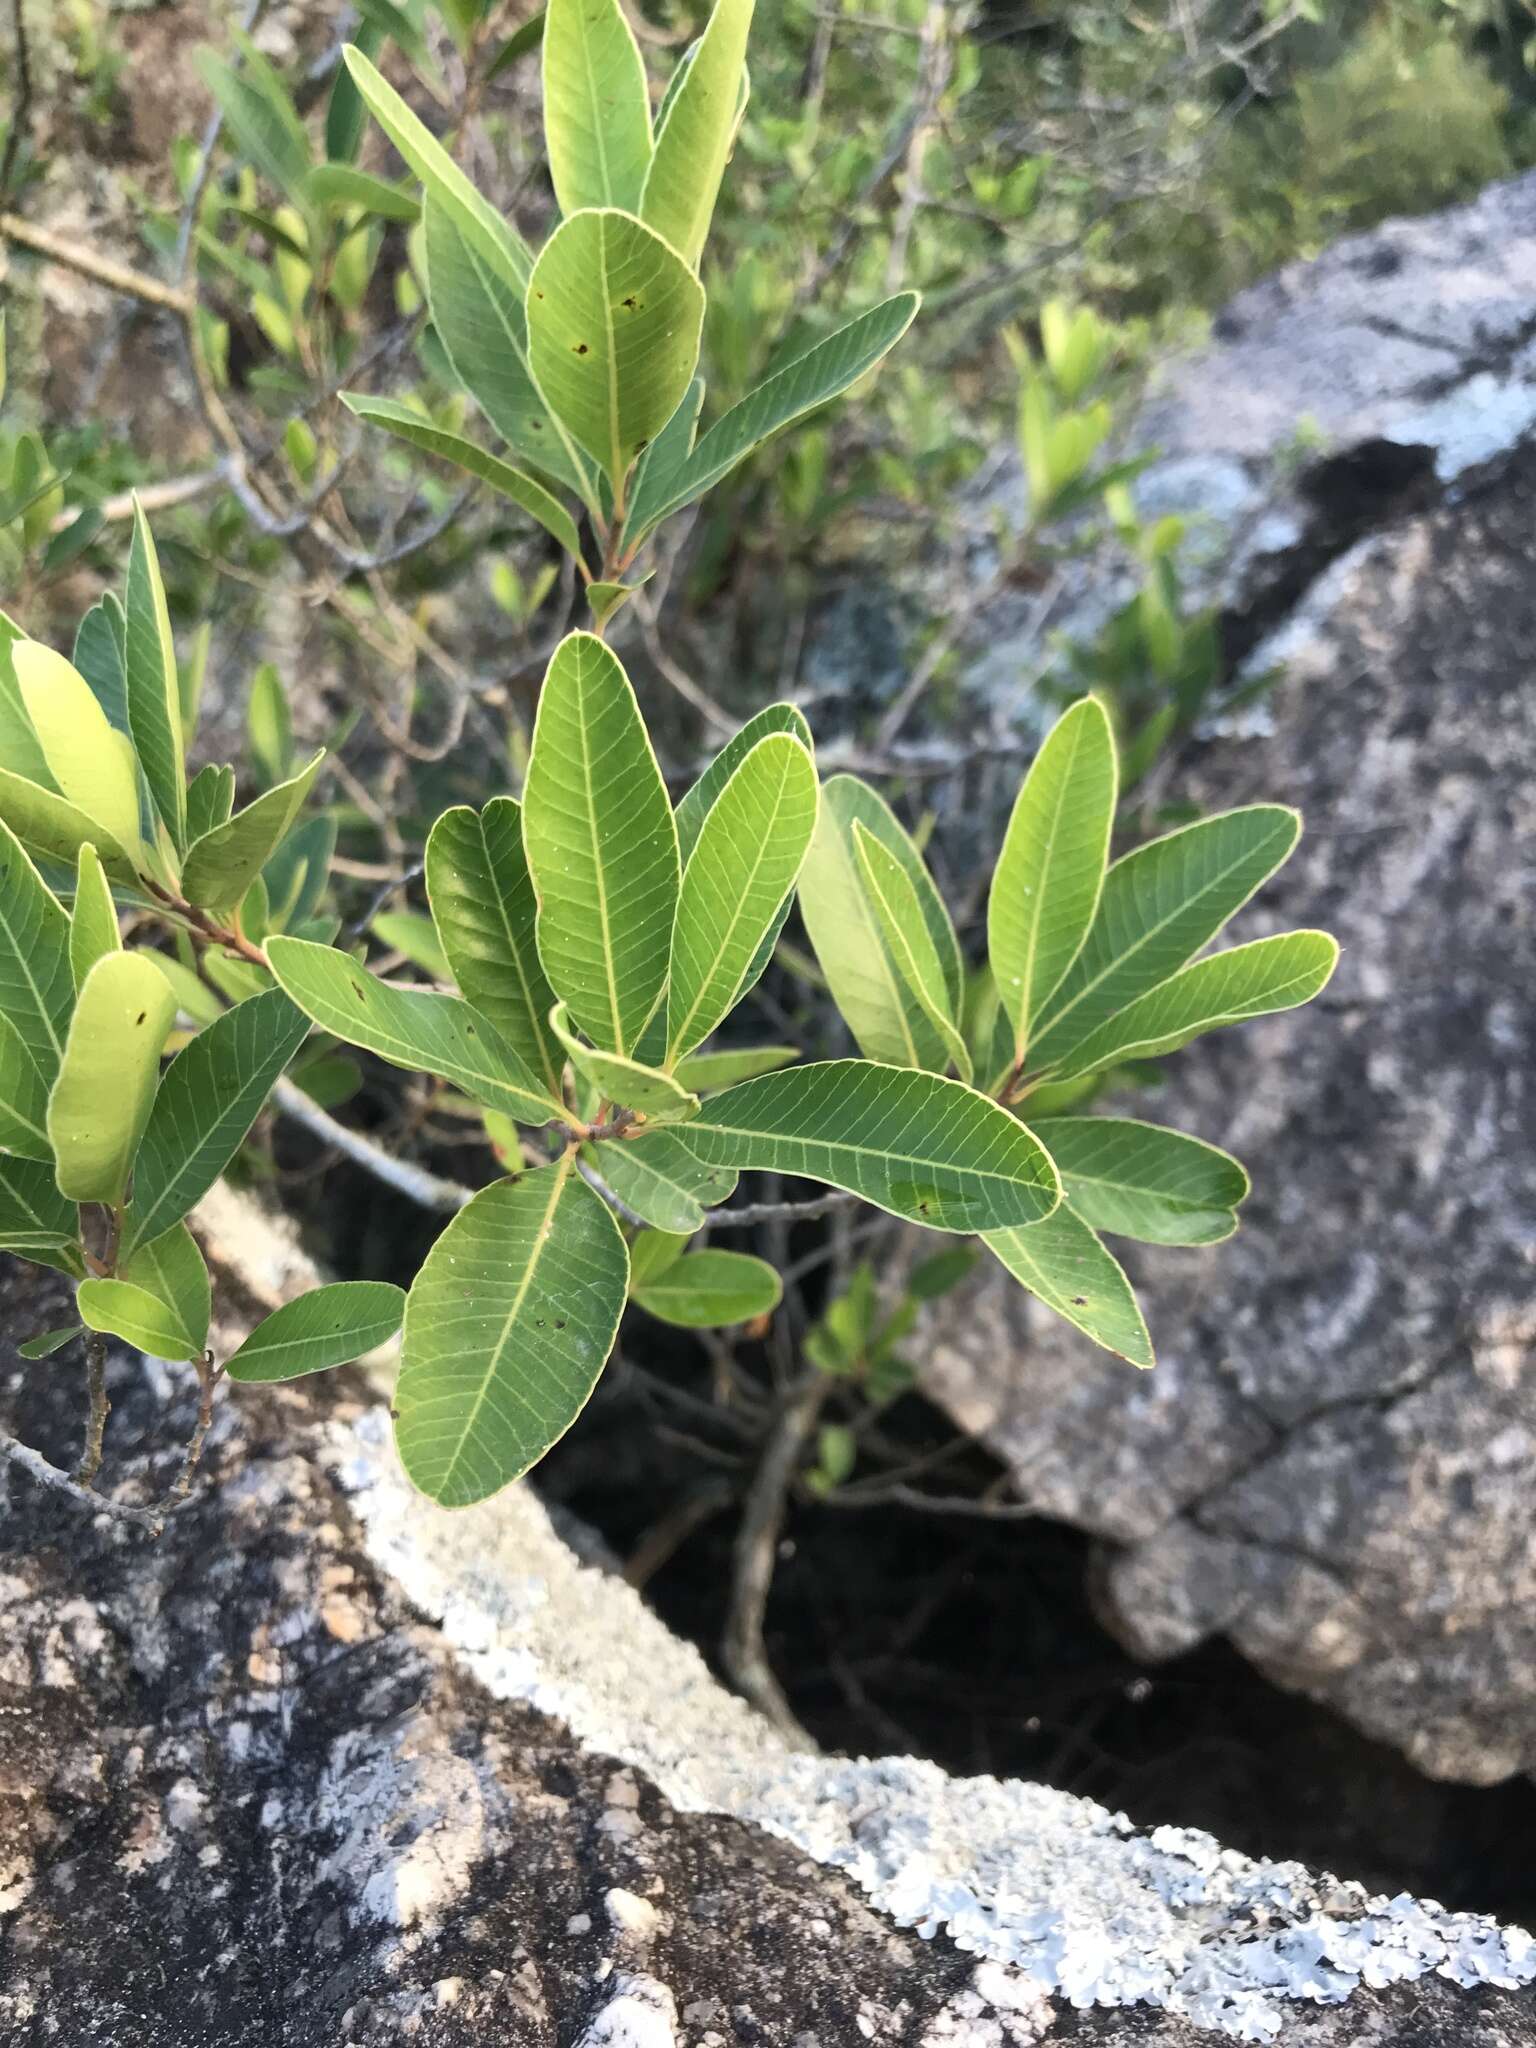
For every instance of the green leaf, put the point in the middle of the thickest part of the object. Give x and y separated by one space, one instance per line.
701 799
624 1081
194 998
100 654
20 749
813 379
739 877
494 240
154 691
597 109
518 44
224 862
139 1318
507 1327
260 116
478 313
656 1176
101 1099
885 1018
652 1252
210 800
531 496
23 1099
484 908
172 1268
1160 905
899 916
93 928
601 845
53 827
211 1095
1063 1264
708 1290
1142 1181
614 320
337 187
683 182
49 1341
932 1277
408 932
344 114
91 764
410 1028
1051 870
704 1072
925 1148
606 600
37 990
34 1216
269 726
328 1326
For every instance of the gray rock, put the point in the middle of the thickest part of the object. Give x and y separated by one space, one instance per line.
1332 1464
324 1765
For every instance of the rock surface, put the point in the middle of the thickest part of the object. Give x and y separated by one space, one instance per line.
326 1766
1333 1462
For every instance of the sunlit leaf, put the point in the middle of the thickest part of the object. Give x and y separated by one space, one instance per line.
106 1083
624 1081
696 133
154 690
1063 1264
93 927
172 1268
325 1327
597 109
899 916
709 1290
90 763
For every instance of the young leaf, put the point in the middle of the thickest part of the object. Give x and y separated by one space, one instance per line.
484 908
738 879
507 1327
708 1290
48 1341
207 1102
93 928
601 845
328 1326
614 320
154 692
37 990
210 801
925 1148
101 1099
884 1016
120 1309
656 1176
1141 1181
1160 905
1063 1264
597 109
908 940
410 1028
695 139
224 862
706 1071
91 765
1051 870
1266 975
531 496
624 1081
23 1099
811 380
172 1268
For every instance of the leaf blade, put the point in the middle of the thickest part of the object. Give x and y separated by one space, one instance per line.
597 109
106 1082
710 1290
683 179
1142 1181
898 914
328 1326
1063 1264
226 861
657 1177
154 691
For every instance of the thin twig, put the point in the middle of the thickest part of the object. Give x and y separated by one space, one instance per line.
778 1212
96 1423
208 1376
84 262
152 1520
447 1197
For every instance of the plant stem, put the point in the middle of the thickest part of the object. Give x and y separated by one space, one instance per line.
151 1520
208 1375
96 1423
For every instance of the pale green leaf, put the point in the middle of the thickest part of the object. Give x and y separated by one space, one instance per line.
224 862
507 1328
268 729
709 1290
211 1095
597 109
120 1309
56 829
1063 1264
154 690
899 916
1159 906
106 1084
173 1270
1139 1180
614 320
924 1147
484 908
338 187
415 936
194 998
21 752
706 1071
524 491
700 800
601 846
328 1326
1050 872
410 1028
93 928
624 1082
811 380
90 763
697 131
1266 975
739 877
37 990
23 1099
260 116
654 1174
